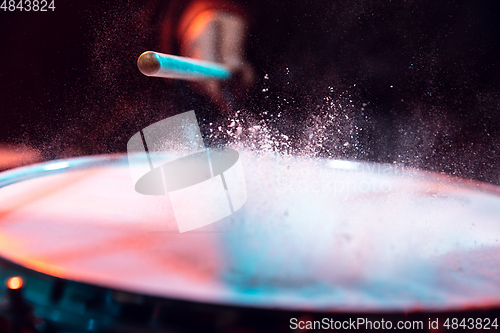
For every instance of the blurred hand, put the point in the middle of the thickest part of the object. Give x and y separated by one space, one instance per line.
220 36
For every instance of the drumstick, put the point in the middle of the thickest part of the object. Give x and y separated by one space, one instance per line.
169 66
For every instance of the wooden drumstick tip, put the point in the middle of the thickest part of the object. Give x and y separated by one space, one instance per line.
148 63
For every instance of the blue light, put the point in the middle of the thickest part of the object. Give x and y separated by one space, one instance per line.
345 165
56 166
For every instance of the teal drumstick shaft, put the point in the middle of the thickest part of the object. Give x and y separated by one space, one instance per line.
168 66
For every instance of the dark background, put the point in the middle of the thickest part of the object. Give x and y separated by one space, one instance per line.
413 82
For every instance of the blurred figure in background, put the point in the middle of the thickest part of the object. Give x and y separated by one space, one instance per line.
214 31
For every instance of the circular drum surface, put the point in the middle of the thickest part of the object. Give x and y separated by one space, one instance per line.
313 235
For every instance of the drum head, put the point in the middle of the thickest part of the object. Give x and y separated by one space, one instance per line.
322 235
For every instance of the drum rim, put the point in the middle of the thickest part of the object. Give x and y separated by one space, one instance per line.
336 311
38 170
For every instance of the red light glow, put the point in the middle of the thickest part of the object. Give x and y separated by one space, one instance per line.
15 282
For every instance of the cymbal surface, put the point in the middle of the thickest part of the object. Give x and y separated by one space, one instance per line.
314 235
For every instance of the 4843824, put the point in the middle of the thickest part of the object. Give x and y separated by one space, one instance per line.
28 5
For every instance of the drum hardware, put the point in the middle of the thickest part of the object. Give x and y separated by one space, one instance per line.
16 314
84 308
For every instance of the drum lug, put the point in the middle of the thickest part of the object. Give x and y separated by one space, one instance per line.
16 313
